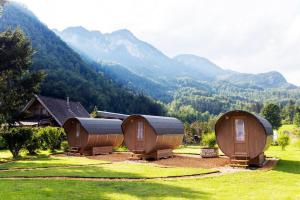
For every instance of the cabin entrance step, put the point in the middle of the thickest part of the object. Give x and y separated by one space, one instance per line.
73 151
136 156
239 162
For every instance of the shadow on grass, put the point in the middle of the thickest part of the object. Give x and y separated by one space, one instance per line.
50 189
99 171
289 166
156 190
39 161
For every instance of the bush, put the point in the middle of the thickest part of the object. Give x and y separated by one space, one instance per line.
65 146
2 144
209 140
51 137
283 140
34 143
15 139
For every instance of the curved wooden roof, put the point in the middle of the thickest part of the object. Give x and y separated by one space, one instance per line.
100 126
265 123
161 125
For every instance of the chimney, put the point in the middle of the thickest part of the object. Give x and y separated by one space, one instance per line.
68 102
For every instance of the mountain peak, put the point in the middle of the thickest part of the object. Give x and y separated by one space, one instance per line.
124 33
77 29
274 76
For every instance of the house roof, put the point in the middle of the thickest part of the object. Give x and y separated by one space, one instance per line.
100 126
265 123
111 115
161 125
59 109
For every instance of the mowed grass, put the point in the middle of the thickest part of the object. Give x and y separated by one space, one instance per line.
188 149
46 165
50 161
116 170
283 182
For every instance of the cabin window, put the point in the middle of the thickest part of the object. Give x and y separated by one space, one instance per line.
140 131
77 130
240 130
44 111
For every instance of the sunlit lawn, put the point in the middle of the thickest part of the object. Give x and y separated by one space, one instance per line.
188 149
283 182
116 170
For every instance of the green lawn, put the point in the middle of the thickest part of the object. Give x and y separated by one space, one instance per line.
281 183
85 167
116 170
188 149
46 161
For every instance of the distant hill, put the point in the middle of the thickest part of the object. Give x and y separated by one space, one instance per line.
264 80
68 74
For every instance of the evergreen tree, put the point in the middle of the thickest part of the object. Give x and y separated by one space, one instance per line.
17 84
297 117
272 113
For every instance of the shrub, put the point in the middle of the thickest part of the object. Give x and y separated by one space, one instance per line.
34 143
15 139
209 140
2 144
283 140
65 146
51 137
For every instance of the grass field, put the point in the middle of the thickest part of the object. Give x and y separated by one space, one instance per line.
283 182
116 170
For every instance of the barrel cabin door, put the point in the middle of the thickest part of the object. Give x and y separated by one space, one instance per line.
140 136
240 137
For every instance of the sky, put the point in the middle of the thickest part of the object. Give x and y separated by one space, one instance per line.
252 36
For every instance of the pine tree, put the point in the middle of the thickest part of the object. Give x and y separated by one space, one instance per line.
297 117
17 83
272 113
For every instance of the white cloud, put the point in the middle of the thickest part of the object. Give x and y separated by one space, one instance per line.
248 36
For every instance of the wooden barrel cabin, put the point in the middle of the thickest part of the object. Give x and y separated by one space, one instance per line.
152 137
243 137
93 136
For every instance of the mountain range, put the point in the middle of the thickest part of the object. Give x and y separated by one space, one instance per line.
123 48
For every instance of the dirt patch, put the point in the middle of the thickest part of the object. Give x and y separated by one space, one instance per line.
178 160
193 161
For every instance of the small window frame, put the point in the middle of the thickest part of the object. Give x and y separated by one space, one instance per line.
140 131
240 130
